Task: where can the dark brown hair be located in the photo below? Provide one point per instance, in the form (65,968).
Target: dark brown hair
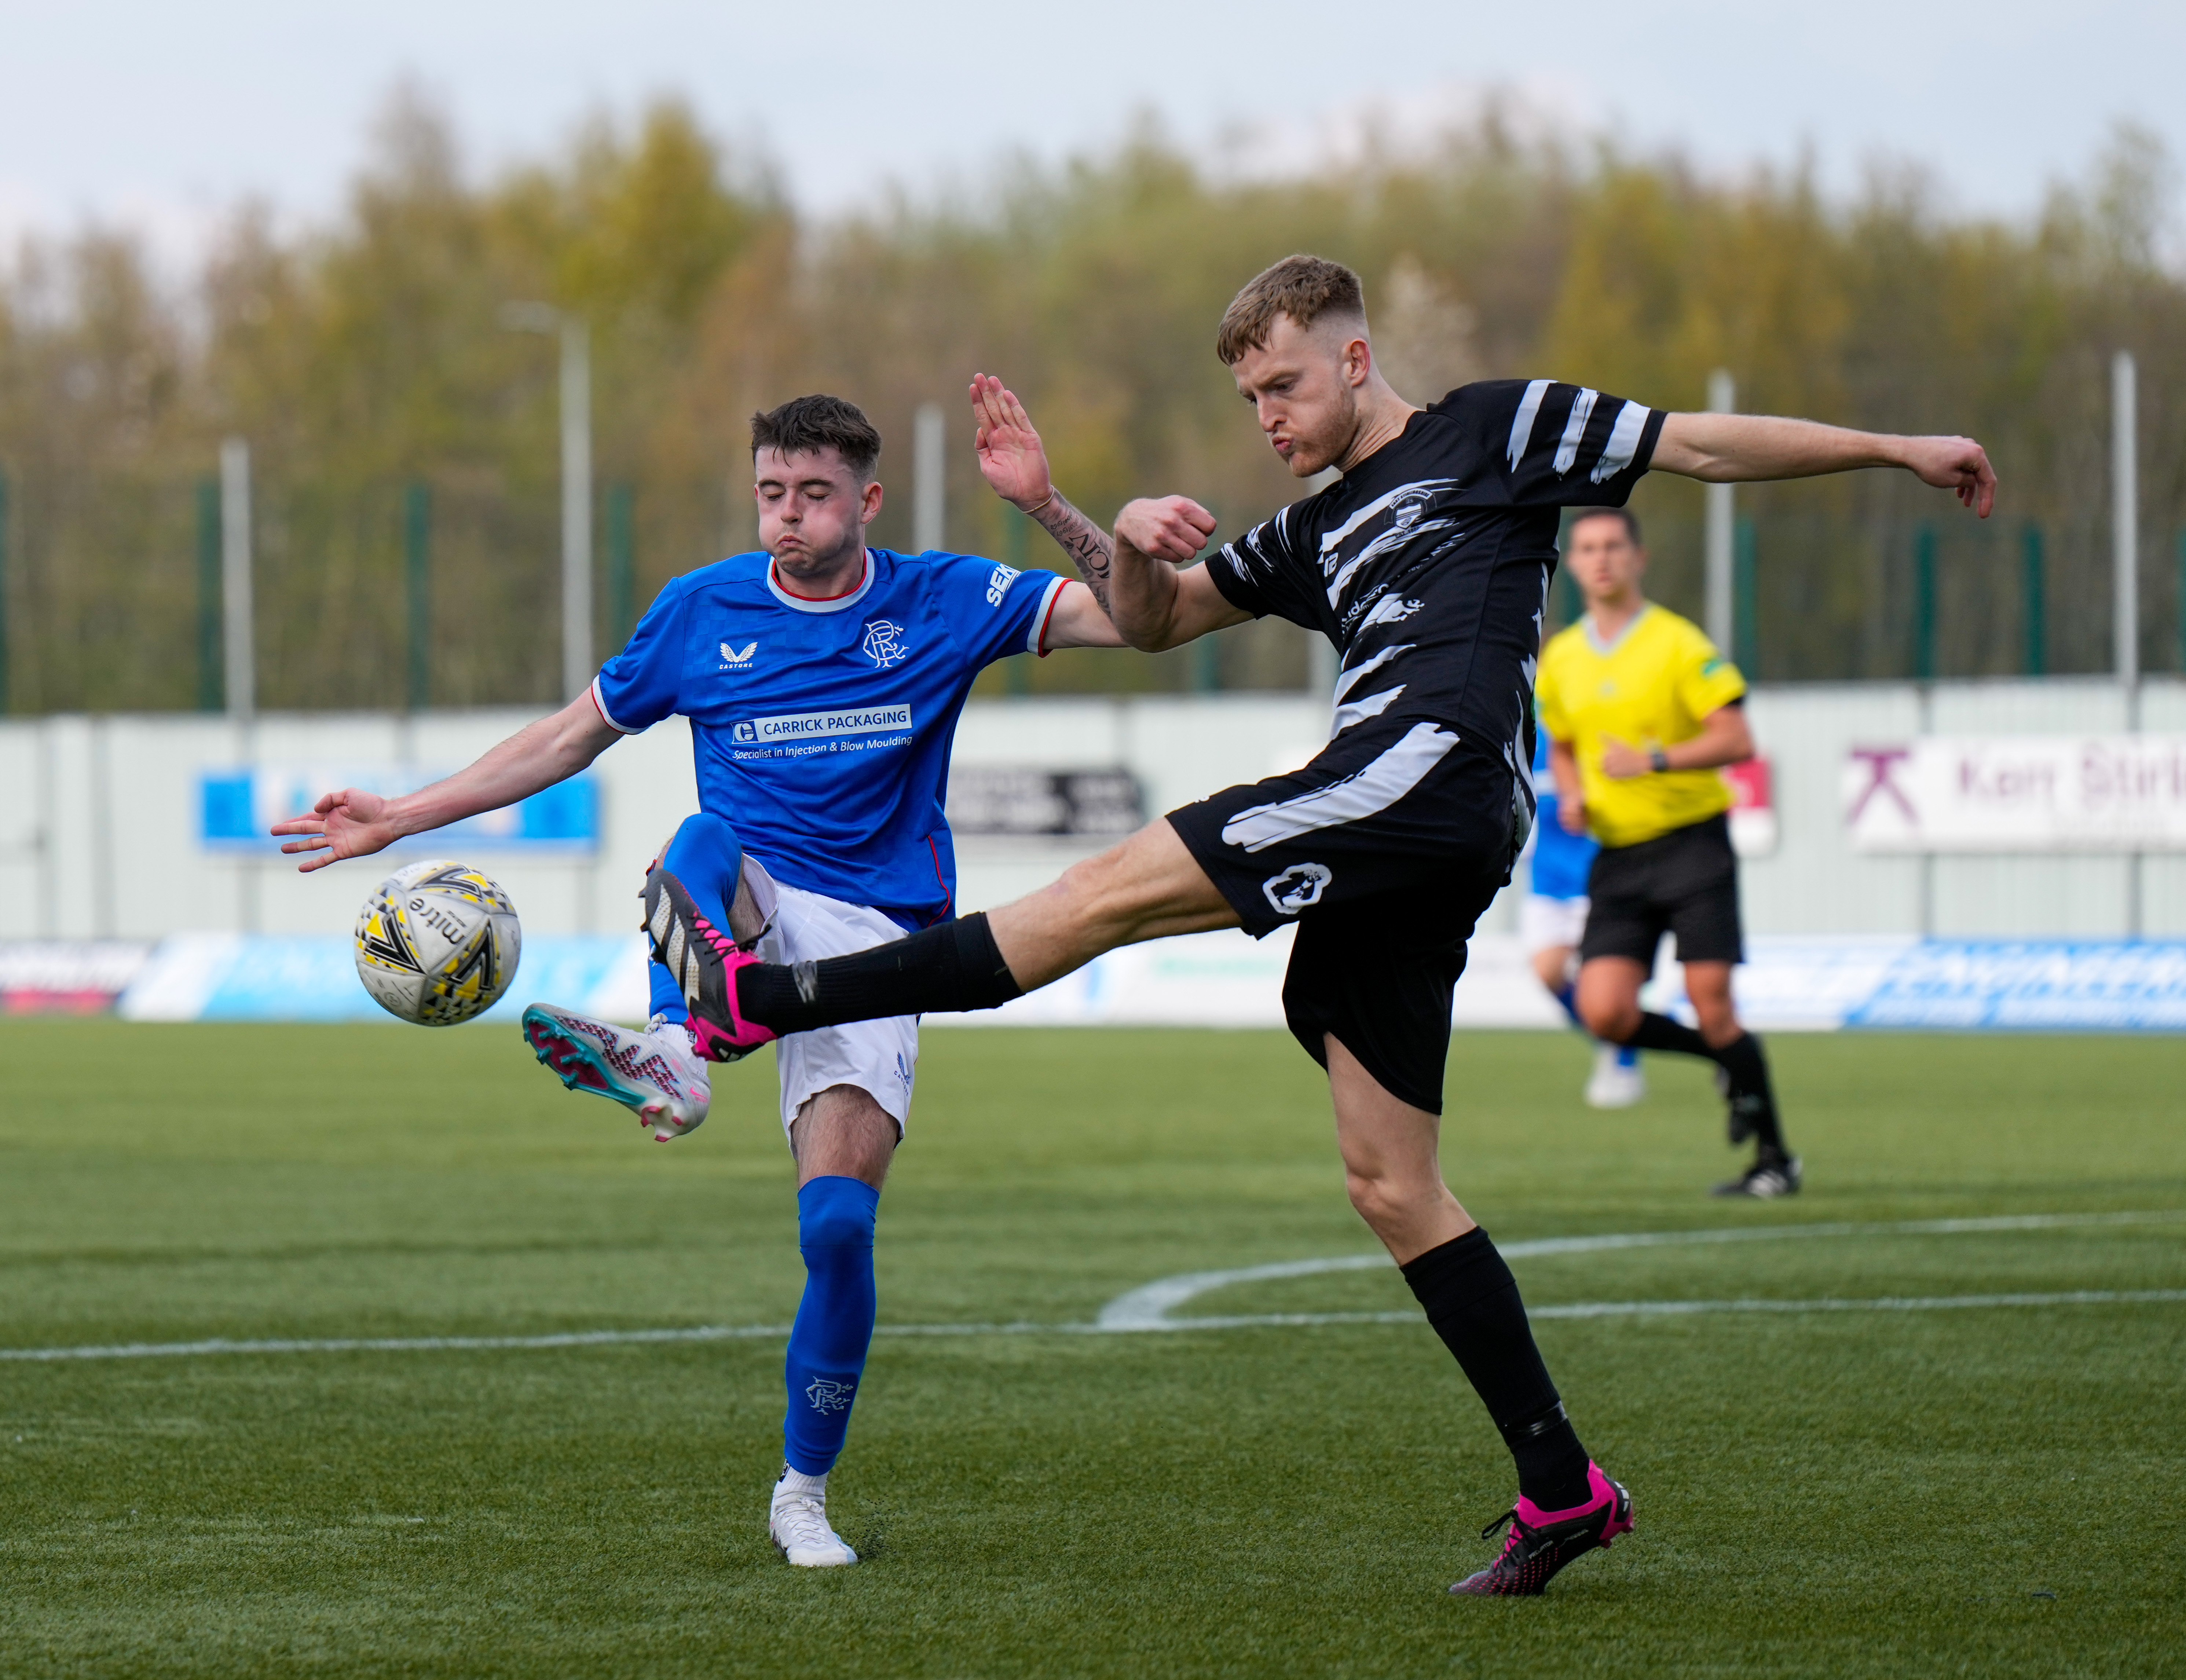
(1303,288)
(806,424)
(1631,519)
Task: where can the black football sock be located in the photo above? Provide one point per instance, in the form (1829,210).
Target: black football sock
(1471,1300)
(956,965)
(1752,1098)
(1660,1032)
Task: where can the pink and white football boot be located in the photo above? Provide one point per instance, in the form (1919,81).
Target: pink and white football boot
(657,1072)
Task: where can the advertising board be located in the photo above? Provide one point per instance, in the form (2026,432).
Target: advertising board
(237,805)
(2018,793)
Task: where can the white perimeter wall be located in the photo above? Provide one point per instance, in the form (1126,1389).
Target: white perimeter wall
(98,816)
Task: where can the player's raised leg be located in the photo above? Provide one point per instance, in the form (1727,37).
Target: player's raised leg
(693,895)
(658,1073)
(1147,887)
(844,1141)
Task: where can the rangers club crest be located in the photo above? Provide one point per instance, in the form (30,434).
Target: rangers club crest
(883,644)
(827,1394)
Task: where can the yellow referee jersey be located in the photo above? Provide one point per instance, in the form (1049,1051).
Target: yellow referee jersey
(1649,688)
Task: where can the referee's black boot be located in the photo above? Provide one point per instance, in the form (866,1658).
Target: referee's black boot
(1773,1174)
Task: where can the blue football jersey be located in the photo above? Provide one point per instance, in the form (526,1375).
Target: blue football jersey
(823,728)
(1561,860)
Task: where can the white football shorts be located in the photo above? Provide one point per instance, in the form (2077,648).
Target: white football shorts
(1546,923)
(879,1058)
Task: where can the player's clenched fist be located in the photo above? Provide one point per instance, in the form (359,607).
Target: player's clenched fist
(1171,527)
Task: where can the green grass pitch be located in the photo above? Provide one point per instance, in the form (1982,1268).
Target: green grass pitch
(1990,1490)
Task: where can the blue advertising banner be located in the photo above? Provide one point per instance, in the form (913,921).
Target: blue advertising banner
(313,976)
(2050,986)
(236,807)
(1225,979)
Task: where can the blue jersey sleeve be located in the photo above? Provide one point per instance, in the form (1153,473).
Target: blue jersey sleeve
(992,610)
(642,684)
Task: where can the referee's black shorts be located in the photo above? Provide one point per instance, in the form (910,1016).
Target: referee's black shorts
(1384,850)
(1684,883)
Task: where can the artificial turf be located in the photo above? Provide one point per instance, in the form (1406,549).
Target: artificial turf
(1991,1491)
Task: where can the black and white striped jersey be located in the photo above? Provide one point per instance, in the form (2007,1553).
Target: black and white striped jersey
(1427,564)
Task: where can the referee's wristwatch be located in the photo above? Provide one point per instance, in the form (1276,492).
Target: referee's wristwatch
(1658,761)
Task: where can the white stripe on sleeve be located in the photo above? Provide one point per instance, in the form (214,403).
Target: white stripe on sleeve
(1038,631)
(1623,442)
(1375,788)
(1575,428)
(606,716)
(1521,427)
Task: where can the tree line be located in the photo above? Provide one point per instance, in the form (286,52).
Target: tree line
(397,424)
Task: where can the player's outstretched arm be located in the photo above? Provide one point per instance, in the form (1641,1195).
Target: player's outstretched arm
(354,823)
(1730,448)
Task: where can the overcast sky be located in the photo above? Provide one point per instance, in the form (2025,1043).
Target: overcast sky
(161,115)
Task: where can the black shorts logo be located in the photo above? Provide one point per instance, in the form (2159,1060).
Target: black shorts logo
(1297,886)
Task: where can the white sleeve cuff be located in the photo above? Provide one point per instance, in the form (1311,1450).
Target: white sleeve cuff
(599,701)
(1036,638)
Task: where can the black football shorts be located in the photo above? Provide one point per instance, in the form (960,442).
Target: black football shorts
(1684,883)
(1384,850)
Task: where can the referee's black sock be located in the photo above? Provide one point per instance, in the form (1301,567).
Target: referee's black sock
(1660,1032)
(1752,1097)
(956,965)
(1471,1300)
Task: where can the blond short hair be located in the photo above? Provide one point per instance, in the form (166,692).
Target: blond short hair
(1303,288)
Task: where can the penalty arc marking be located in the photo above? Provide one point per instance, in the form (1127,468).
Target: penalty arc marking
(1151,1307)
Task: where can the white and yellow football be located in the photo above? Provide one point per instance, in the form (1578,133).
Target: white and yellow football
(438,944)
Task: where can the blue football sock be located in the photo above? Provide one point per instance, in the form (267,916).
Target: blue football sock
(707,859)
(1627,1057)
(834,1325)
(1567,995)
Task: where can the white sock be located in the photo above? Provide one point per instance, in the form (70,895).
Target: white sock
(796,1482)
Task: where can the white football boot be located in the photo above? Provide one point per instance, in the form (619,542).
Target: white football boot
(797,1523)
(656,1071)
(1614,1084)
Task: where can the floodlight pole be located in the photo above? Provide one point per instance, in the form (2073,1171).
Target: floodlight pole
(2125,521)
(929,480)
(576,507)
(237,617)
(576,482)
(2125,562)
(1722,527)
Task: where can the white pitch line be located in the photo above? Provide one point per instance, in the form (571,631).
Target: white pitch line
(1146,1309)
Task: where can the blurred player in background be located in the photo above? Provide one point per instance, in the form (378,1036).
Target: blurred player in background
(1641,711)
(1552,919)
(822,678)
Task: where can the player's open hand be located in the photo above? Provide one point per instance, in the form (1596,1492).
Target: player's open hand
(1169,528)
(350,824)
(1010,457)
(1958,464)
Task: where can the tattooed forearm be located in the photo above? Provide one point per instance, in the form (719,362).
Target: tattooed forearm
(1090,549)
